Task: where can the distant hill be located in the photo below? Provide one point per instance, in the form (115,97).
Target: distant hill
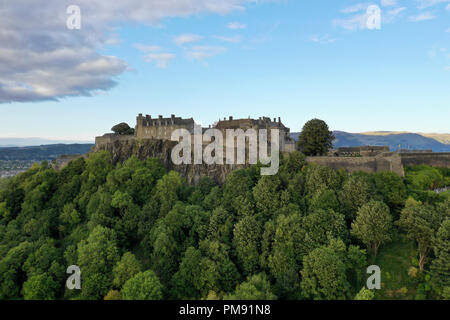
(441,137)
(43,152)
(412,141)
(27,142)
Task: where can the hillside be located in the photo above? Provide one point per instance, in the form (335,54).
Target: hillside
(27,142)
(441,137)
(411,141)
(44,152)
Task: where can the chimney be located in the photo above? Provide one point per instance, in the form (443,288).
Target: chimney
(274,119)
(160,116)
(231,118)
(279,119)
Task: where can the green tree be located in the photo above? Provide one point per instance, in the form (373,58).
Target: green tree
(324,273)
(356,191)
(267,194)
(373,225)
(315,139)
(143,286)
(187,282)
(365,294)
(421,222)
(125,269)
(246,241)
(122,129)
(96,258)
(440,267)
(257,287)
(40,287)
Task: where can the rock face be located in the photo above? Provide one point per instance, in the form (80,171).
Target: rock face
(144,149)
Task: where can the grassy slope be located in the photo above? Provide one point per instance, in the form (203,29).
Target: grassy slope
(394,260)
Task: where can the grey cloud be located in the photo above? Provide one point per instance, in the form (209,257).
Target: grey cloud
(40,59)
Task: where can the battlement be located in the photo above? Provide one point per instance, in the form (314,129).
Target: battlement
(148,121)
(261,123)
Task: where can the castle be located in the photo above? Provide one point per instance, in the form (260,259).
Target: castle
(156,134)
(161,128)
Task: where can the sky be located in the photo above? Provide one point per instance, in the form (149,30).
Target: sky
(210,59)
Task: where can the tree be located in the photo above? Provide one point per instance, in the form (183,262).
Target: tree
(421,222)
(122,129)
(187,283)
(365,294)
(96,257)
(286,254)
(315,139)
(143,286)
(321,225)
(257,287)
(126,269)
(355,192)
(324,273)
(267,195)
(247,240)
(440,267)
(40,287)
(373,225)
(113,295)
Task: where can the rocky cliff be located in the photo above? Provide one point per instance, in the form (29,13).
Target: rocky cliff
(144,149)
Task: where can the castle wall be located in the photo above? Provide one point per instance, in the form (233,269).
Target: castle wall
(432,159)
(365,164)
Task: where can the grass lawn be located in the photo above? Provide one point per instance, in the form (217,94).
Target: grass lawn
(395,259)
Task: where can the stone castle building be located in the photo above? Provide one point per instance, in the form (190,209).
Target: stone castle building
(161,128)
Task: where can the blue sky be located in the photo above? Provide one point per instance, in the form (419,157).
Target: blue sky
(294,59)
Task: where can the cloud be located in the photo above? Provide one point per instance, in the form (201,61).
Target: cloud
(388,3)
(422,17)
(234,39)
(41,59)
(236,25)
(203,52)
(422,4)
(322,39)
(161,59)
(358,21)
(146,47)
(186,38)
(396,11)
(447,7)
(356,8)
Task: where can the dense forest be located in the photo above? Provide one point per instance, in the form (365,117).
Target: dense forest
(137,231)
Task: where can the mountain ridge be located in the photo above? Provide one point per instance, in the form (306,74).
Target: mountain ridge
(395,141)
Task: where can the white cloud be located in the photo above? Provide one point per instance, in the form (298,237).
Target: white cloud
(388,3)
(186,38)
(356,8)
(322,39)
(422,17)
(146,47)
(203,52)
(236,25)
(234,39)
(40,59)
(161,59)
(447,7)
(422,4)
(355,22)
(395,12)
